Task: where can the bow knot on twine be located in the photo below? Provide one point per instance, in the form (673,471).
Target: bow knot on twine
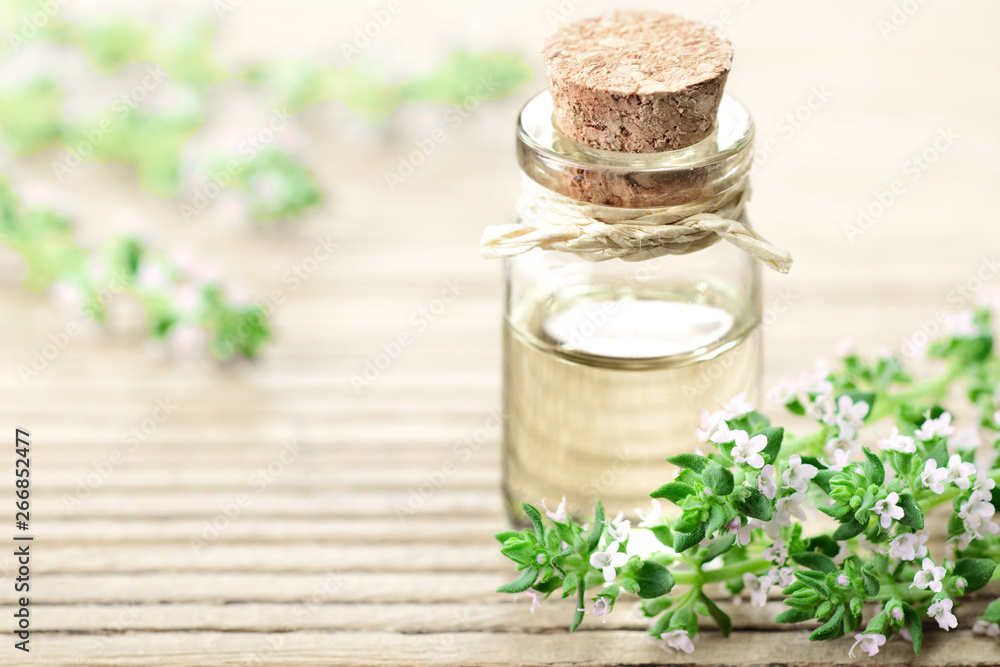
(599,233)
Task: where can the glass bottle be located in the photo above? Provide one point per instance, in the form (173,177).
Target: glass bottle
(607,364)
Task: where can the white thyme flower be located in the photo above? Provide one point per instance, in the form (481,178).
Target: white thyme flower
(66,296)
(984,484)
(845,348)
(869,642)
(929,576)
(961,324)
(757,587)
(618,528)
(903,547)
(776,553)
(766,483)
(909,546)
(898,443)
(747,450)
(850,415)
(742,532)
(152,275)
(708,423)
(869,546)
(935,428)
(608,560)
(772,528)
(653,518)
(790,506)
(977,513)
(887,509)
(783,576)
(958,472)
(843,552)
(559,513)
(818,381)
(784,392)
(723,435)
(536,600)
(601,608)
(985,628)
(737,406)
(798,474)
(933,477)
(941,612)
(839,456)
(967,439)
(822,408)
(678,639)
(188,341)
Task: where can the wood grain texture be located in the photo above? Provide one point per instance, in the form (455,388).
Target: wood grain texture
(211,540)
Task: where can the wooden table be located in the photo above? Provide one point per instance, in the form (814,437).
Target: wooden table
(260,522)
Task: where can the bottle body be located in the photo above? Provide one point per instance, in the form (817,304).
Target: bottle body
(608,363)
(605,371)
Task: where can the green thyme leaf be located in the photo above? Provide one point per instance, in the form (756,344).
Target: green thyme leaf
(691,461)
(815,561)
(832,628)
(523,582)
(654,580)
(774,434)
(719,479)
(673,491)
(976,572)
(720,617)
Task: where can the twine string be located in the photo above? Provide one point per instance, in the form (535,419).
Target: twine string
(599,233)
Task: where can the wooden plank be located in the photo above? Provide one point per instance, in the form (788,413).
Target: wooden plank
(262,530)
(329,613)
(592,649)
(213,587)
(276,499)
(201,554)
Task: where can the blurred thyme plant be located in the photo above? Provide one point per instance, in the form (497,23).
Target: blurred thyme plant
(31,115)
(183,307)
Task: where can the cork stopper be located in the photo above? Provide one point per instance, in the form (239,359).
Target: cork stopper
(637,81)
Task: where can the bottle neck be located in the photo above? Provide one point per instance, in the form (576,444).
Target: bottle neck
(715,167)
